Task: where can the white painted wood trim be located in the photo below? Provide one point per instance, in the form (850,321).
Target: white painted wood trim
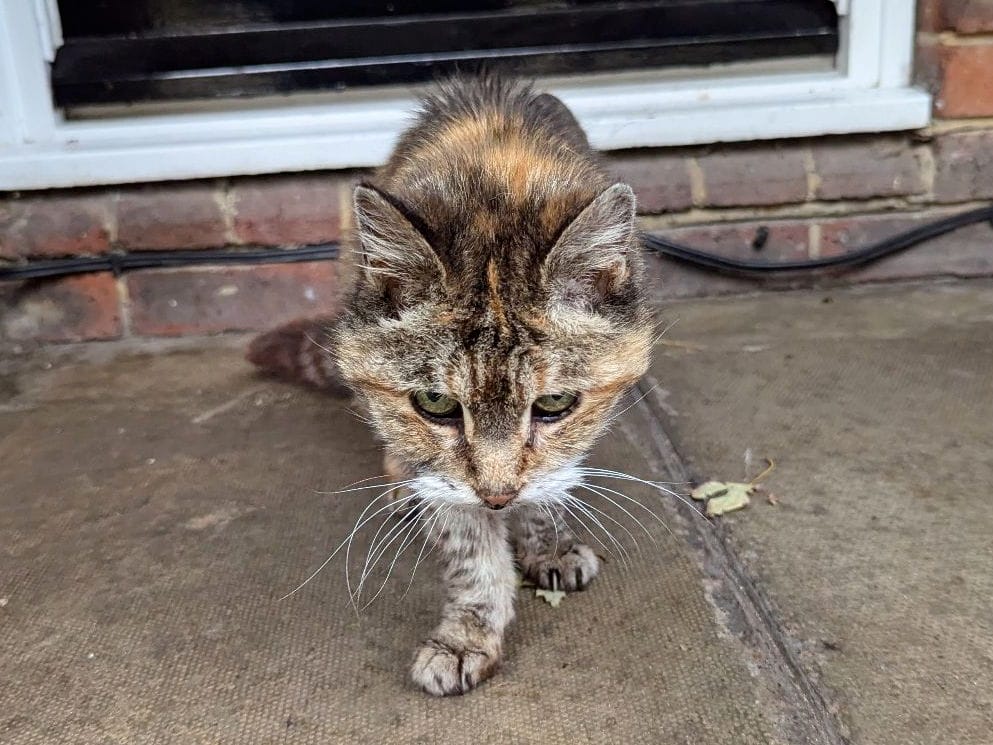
(896,52)
(38,149)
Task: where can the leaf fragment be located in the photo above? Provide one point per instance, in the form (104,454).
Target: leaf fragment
(552,597)
(723,496)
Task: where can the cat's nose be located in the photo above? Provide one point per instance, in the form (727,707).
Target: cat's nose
(498,501)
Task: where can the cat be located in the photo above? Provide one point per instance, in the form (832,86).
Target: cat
(497,318)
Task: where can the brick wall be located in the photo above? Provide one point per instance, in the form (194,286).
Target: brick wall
(285,210)
(814,197)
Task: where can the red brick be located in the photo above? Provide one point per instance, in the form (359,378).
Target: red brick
(963,253)
(164,216)
(174,302)
(968,16)
(79,308)
(963,166)
(754,175)
(661,181)
(929,15)
(861,169)
(787,239)
(962,16)
(47,226)
(845,234)
(966,82)
(966,252)
(288,210)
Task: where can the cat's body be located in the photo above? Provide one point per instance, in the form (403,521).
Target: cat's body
(496,322)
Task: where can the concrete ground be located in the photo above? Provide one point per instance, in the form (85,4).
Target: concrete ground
(155,504)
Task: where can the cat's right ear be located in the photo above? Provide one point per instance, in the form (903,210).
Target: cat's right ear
(396,256)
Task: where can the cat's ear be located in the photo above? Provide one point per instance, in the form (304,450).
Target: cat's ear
(395,254)
(590,260)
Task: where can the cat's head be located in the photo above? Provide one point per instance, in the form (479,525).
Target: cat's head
(490,367)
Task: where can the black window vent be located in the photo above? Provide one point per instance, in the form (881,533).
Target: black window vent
(123,51)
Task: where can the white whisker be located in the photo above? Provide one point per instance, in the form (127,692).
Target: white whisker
(664,331)
(391,484)
(622,556)
(657,485)
(446,513)
(348,549)
(633,403)
(614,520)
(318,344)
(377,549)
(590,532)
(347,540)
(411,536)
(555,525)
(598,489)
(368,478)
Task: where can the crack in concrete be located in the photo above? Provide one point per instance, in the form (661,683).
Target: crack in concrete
(742,608)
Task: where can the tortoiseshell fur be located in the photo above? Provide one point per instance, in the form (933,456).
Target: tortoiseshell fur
(499,263)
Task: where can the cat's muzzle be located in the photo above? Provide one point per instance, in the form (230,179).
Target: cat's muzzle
(498,501)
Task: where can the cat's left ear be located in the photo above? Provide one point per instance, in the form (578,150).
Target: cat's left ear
(395,254)
(591,258)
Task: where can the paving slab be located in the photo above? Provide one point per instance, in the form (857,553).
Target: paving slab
(156,503)
(877,406)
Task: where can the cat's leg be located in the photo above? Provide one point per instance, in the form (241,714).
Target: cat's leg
(548,552)
(478,570)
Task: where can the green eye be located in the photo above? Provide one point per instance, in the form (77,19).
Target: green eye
(553,405)
(436,404)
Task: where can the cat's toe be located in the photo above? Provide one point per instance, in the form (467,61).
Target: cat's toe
(450,670)
(570,571)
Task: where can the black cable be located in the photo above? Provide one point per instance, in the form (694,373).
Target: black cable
(848,260)
(119,263)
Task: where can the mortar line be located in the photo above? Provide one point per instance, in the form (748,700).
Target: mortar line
(803,211)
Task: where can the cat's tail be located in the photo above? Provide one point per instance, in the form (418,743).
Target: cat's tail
(299,352)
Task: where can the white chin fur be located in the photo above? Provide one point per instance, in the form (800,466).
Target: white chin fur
(543,489)
(439,490)
(549,487)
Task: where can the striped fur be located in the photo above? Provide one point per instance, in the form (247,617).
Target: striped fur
(498,264)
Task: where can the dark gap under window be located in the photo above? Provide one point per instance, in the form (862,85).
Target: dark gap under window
(126,51)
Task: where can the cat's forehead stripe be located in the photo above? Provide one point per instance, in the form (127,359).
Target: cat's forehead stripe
(493,294)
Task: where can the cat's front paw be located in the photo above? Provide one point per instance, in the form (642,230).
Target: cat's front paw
(571,570)
(451,669)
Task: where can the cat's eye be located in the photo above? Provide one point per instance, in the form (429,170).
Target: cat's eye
(553,405)
(436,405)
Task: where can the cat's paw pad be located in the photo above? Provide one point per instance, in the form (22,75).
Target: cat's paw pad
(451,670)
(572,570)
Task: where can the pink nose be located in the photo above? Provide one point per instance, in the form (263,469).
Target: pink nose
(498,501)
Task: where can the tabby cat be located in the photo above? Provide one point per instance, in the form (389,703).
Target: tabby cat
(496,321)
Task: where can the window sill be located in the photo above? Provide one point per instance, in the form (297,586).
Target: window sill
(361,134)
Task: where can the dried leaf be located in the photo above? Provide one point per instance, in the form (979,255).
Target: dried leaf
(736,498)
(552,597)
(723,496)
(709,490)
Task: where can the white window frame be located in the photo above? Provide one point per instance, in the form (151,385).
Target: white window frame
(869,91)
